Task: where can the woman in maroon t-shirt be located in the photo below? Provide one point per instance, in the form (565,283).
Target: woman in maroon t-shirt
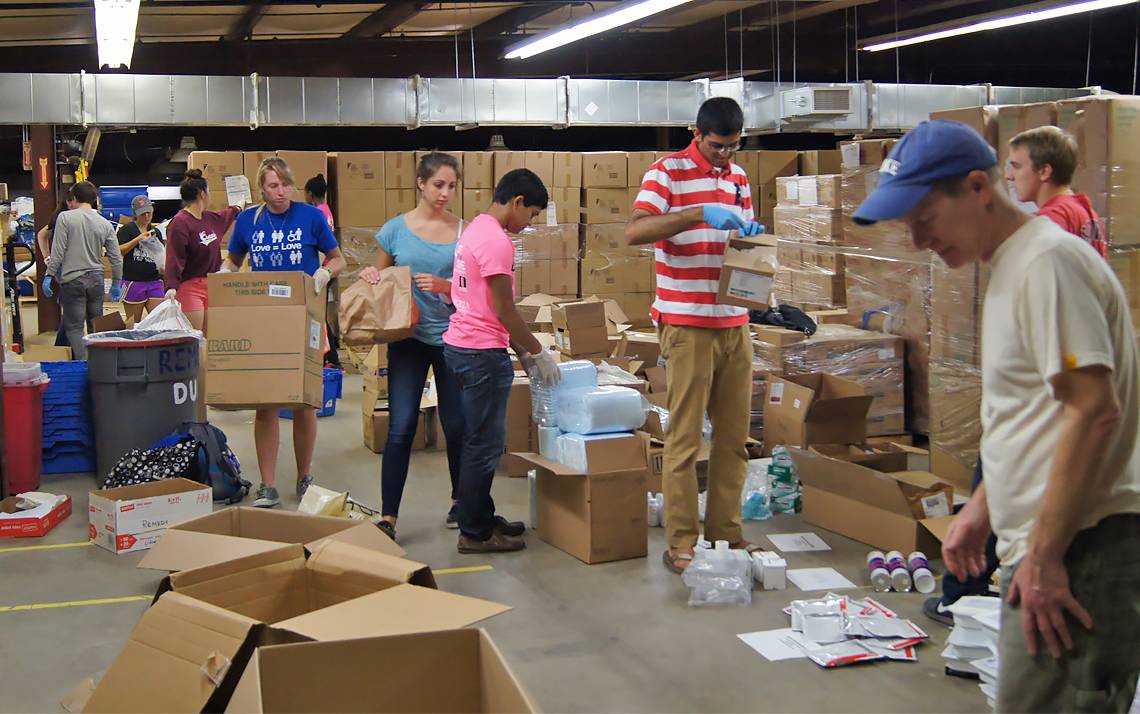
(194,246)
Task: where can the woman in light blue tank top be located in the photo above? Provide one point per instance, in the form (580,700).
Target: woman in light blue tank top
(423,239)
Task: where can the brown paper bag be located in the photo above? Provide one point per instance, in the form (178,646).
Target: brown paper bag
(384,312)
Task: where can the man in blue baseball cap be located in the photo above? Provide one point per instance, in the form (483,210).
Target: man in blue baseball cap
(1060,416)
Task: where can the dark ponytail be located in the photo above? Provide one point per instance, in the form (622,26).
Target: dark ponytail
(192,186)
(317,186)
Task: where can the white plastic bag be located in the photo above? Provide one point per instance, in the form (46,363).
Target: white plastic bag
(167,317)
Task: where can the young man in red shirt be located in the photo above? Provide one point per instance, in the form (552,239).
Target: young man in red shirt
(1041,165)
(690,205)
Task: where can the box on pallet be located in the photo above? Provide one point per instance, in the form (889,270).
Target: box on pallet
(304,164)
(605,169)
(981,119)
(507,161)
(476,201)
(542,164)
(616,272)
(606,205)
(638,163)
(400,169)
(251,164)
(131,518)
(823,161)
(1012,119)
(215,167)
(807,409)
(567,169)
(361,206)
(361,170)
(478,171)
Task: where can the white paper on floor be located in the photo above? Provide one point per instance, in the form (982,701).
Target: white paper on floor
(797,542)
(776,645)
(818,579)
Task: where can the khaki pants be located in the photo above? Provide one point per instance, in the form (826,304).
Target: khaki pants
(708,370)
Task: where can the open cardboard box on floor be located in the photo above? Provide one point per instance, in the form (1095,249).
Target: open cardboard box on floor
(189,649)
(807,409)
(874,500)
(595,517)
(382,674)
(237,532)
(131,518)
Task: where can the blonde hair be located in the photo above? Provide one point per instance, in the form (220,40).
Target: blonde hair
(278,166)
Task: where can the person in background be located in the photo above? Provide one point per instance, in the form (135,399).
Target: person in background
(282,234)
(194,247)
(690,205)
(80,240)
(485,323)
(424,240)
(143,275)
(1060,421)
(316,189)
(1041,166)
(43,243)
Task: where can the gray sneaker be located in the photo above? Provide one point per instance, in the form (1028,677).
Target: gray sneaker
(266,497)
(302,486)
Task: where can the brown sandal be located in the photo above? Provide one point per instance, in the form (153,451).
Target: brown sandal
(747,547)
(672,561)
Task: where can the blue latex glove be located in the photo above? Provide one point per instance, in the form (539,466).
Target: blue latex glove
(752,228)
(46,286)
(722,219)
(116,292)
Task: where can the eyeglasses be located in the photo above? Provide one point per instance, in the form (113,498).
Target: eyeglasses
(724,148)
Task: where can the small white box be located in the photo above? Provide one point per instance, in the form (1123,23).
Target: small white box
(775,571)
(132,518)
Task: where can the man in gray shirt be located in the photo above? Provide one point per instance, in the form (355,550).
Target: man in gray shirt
(81,238)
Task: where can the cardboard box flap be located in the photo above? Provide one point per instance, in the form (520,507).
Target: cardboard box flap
(849,480)
(165,664)
(398,610)
(842,408)
(187,580)
(364,535)
(539,300)
(564,470)
(345,560)
(937,527)
(183,550)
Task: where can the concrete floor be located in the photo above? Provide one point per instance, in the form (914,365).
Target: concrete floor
(612,637)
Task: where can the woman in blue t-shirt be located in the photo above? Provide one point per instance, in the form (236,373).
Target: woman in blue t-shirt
(424,240)
(283,234)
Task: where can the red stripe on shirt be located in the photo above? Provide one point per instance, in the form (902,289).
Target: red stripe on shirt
(687,273)
(686,250)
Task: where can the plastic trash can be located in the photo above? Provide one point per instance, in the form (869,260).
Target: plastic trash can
(23,434)
(143,385)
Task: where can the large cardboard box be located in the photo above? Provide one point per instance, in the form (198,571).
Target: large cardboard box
(606,205)
(476,201)
(265,340)
(357,675)
(542,164)
(634,305)
(824,161)
(868,152)
(360,206)
(638,163)
(771,164)
(872,501)
(399,169)
(567,169)
(251,162)
(357,170)
(215,167)
(375,426)
(1126,265)
(237,532)
(807,409)
(131,518)
(1013,119)
(616,273)
(748,272)
(808,223)
(567,206)
(398,201)
(610,238)
(564,276)
(478,170)
(1108,143)
(507,161)
(982,119)
(580,327)
(605,169)
(595,517)
(375,371)
(305,165)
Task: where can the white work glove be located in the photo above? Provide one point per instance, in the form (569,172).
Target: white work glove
(544,368)
(321,280)
(171,294)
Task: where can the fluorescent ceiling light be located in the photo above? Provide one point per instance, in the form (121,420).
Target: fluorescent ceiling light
(115,24)
(621,15)
(1045,13)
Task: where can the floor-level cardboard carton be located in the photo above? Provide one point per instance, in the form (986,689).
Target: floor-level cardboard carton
(131,518)
(382,674)
(238,532)
(872,500)
(265,340)
(807,409)
(595,517)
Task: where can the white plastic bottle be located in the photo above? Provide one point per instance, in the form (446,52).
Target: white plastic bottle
(880,576)
(920,571)
(900,576)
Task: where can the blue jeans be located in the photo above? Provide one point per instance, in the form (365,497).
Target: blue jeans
(408,362)
(952,587)
(485,378)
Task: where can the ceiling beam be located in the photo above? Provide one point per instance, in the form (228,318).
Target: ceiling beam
(511,20)
(801,13)
(243,28)
(386,19)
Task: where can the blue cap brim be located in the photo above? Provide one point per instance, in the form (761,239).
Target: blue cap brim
(887,203)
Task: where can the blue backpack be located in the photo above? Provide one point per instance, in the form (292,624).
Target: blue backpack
(215,465)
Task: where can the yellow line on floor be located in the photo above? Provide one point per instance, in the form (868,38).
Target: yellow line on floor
(74,603)
(470,569)
(53,546)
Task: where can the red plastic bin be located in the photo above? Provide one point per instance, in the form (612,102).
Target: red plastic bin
(23,434)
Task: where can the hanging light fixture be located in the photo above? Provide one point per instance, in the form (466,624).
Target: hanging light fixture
(621,15)
(115,25)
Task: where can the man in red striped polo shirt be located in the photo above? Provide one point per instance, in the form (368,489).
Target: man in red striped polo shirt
(691,203)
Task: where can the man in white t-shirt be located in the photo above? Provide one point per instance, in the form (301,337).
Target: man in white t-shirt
(1060,414)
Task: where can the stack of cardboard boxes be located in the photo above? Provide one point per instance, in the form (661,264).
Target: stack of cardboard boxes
(808,223)
(580,329)
(546,260)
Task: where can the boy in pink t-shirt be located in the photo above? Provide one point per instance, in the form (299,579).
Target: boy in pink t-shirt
(484,324)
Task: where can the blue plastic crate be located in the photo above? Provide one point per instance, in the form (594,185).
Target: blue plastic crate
(70,463)
(333,388)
